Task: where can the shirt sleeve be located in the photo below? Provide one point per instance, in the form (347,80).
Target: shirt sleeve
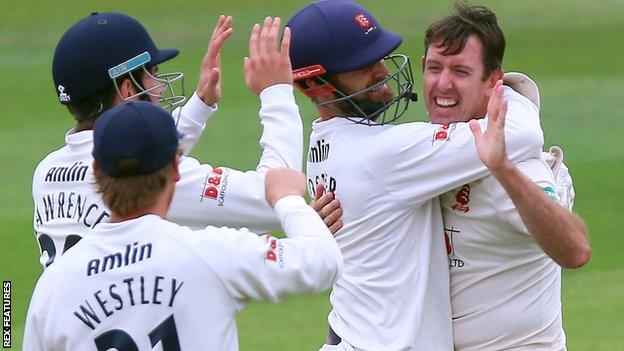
(282,132)
(221,197)
(420,161)
(227,197)
(191,120)
(540,173)
(268,268)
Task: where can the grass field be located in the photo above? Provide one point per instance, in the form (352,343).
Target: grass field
(572,48)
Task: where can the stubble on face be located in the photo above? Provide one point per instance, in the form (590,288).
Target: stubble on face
(370,102)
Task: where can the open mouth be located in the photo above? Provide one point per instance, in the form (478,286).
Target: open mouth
(445,102)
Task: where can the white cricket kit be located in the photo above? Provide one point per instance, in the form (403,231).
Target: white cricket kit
(393,293)
(505,291)
(134,284)
(67,207)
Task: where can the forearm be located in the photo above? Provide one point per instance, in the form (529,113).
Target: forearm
(560,233)
(282,133)
(191,119)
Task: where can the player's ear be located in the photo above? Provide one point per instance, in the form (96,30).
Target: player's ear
(126,88)
(176,169)
(95,166)
(495,76)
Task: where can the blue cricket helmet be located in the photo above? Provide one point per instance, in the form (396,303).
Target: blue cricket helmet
(339,35)
(92,46)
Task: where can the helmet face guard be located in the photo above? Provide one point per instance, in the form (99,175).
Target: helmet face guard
(357,107)
(164,91)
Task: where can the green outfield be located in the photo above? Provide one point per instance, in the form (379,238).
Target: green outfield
(572,48)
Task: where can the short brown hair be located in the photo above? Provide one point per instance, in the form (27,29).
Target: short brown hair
(128,195)
(453,31)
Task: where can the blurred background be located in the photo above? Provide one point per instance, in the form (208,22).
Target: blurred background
(573,49)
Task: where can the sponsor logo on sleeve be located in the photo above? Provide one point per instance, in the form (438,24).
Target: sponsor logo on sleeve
(215,186)
(275,251)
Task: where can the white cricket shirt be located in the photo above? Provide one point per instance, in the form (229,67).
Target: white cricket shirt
(147,281)
(505,291)
(67,207)
(393,293)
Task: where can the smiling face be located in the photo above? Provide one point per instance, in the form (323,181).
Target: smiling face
(454,86)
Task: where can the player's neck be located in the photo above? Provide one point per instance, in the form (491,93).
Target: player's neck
(160,208)
(115,218)
(326,113)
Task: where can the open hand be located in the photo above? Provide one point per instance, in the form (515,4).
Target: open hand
(209,85)
(491,143)
(265,65)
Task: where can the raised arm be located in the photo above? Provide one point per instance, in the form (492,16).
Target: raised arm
(268,73)
(192,117)
(223,196)
(560,233)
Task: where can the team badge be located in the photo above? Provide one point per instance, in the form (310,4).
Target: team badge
(364,22)
(463,198)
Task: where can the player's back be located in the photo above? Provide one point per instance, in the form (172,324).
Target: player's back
(393,292)
(66,204)
(135,283)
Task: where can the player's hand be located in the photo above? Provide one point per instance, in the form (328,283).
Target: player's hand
(491,143)
(328,208)
(266,65)
(209,85)
(281,182)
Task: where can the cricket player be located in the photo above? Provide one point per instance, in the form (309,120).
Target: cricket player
(108,58)
(393,293)
(140,281)
(506,238)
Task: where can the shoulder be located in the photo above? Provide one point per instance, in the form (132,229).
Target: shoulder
(50,160)
(539,172)
(396,139)
(517,100)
